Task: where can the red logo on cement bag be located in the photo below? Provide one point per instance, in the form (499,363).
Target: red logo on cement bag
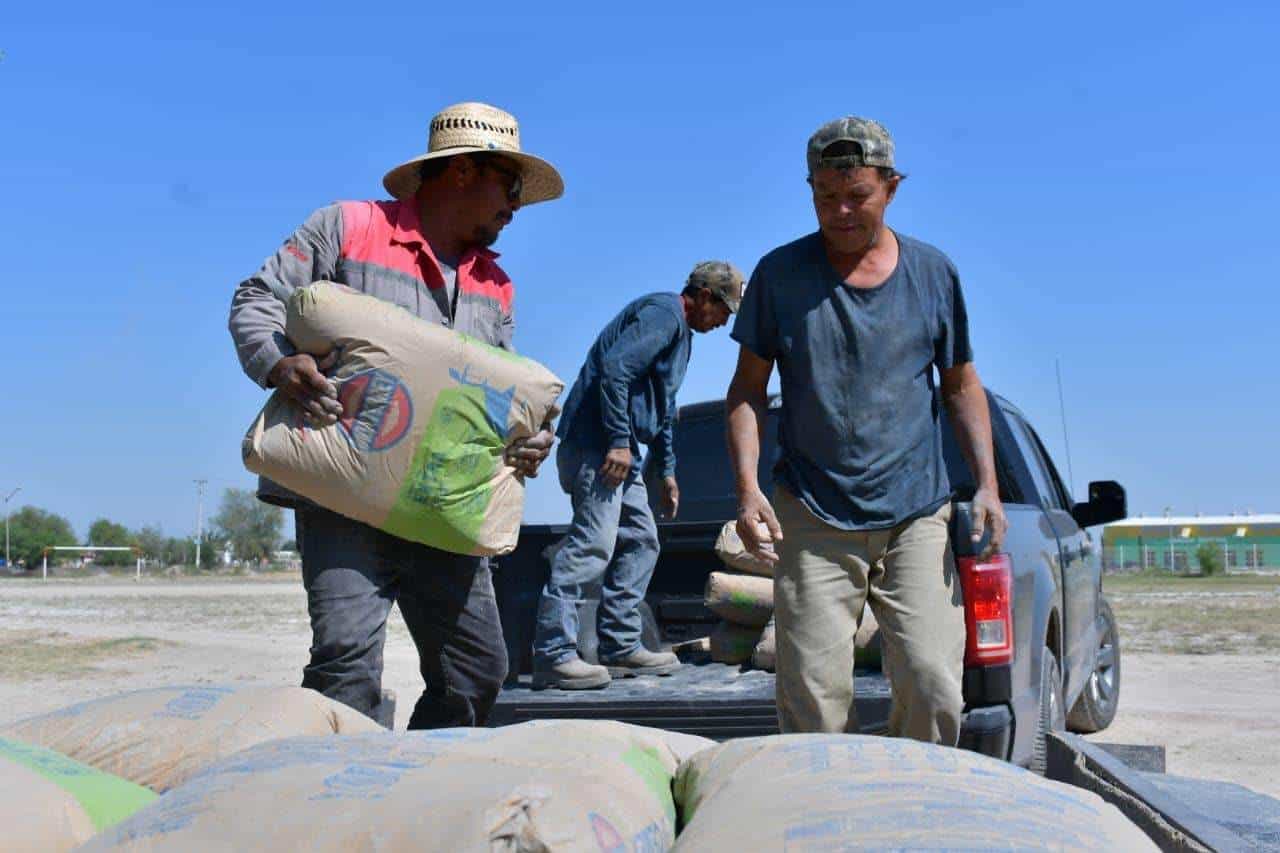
(607,837)
(376,410)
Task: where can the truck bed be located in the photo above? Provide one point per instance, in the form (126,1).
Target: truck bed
(714,700)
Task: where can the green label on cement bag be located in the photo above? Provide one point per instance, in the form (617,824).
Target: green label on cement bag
(445,496)
(106,799)
(646,764)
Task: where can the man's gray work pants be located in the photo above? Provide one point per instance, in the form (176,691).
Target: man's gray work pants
(353,573)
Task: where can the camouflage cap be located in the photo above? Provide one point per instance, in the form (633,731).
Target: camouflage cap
(871,137)
(721,278)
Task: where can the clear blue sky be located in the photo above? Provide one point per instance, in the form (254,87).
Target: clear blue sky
(1103,174)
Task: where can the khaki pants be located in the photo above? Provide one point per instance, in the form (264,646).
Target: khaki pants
(908,577)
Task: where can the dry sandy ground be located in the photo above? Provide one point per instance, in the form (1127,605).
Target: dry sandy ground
(65,641)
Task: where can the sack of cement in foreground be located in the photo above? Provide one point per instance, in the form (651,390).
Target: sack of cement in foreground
(160,737)
(741,599)
(734,554)
(732,643)
(563,785)
(50,803)
(854,792)
(427,414)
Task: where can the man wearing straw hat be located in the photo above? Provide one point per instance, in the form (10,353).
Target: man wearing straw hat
(858,318)
(427,251)
(625,395)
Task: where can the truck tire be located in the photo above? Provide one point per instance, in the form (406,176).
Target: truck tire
(1052,716)
(589,642)
(1096,707)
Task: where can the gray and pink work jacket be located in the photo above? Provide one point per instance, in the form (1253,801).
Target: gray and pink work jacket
(375,247)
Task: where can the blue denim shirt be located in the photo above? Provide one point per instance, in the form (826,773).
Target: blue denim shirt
(625,394)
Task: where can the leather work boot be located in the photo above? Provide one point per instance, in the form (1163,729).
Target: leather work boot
(573,674)
(642,662)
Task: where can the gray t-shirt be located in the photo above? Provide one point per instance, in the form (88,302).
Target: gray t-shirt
(859,436)
(444,296)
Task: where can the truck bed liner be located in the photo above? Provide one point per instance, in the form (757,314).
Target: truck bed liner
(714,700)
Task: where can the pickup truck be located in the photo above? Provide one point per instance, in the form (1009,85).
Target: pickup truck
(1045,656)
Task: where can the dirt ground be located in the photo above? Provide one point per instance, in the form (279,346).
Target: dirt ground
(1217,714)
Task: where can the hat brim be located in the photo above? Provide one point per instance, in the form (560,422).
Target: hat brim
(540,179)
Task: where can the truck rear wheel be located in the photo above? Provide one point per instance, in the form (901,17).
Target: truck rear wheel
(1052,716)
(1096,707)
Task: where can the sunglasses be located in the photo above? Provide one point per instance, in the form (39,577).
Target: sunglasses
(516,185)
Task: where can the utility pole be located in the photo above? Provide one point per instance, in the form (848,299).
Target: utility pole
(9,497)
(200,484)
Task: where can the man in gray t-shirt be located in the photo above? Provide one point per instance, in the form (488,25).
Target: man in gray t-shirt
(858,318)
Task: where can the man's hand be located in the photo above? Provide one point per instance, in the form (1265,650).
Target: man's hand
(526,454)
(753,511)
(300,378)
(616,467)
(988,513)
(670,496)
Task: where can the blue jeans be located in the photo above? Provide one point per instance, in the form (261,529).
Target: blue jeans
(353,573)
(612,540)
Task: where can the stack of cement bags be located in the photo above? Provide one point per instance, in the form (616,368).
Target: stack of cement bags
(238,779)
(159,738)
(743,599)
(50,803)
(540,786)
(427,414)
(851,792)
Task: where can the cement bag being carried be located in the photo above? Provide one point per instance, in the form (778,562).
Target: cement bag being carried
(427,413)
(740,599)
(160,737)
(734,554)
(564,785)
(49,802)
(853,792)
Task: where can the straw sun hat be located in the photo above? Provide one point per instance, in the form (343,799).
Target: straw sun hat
(467,127)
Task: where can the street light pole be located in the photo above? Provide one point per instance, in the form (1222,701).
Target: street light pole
(200,484)
(1172,564)
(9,497)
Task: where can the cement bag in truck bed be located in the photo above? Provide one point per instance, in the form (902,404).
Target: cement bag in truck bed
(853,792)
(160,737)
(740,599)
(563,785)
(427,413)
(734,554)
(49,802)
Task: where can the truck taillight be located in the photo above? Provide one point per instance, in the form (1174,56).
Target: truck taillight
(988,609)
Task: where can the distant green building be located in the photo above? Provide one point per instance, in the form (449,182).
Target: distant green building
(1245,543)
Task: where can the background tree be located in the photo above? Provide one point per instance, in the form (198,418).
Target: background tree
(152,542)
(32,529)
(1209,557)
(107,532)
(178,552)
(251,526)
(211,548)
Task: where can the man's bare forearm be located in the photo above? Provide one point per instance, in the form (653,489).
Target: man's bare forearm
(745,409)
(966,404)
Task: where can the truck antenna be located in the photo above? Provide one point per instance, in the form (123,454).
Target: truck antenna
(1062,407)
